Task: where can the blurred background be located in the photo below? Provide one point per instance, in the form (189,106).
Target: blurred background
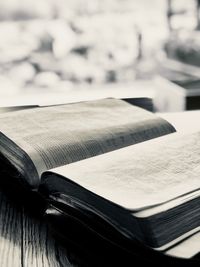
(143,48)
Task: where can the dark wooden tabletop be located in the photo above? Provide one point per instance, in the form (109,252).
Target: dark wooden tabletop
(25,240)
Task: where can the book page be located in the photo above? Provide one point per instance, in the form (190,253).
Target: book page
(144,175)
(185,121)
(187,248)
(58,135)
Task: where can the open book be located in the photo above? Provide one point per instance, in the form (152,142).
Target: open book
(83,158)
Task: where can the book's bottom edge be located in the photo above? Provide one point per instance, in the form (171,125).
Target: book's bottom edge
(178,240)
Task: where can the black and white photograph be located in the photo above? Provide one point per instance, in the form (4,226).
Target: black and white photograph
(99,133)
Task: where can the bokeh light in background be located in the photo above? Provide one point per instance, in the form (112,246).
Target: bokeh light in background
(62,43)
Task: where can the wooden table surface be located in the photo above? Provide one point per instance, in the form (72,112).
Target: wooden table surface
(25,240)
